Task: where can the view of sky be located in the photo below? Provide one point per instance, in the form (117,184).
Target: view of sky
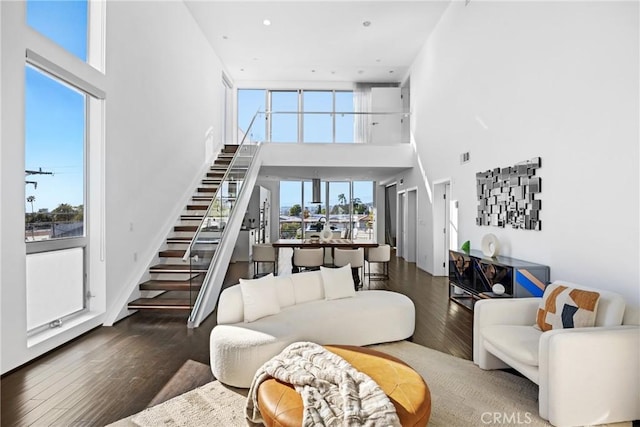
(54,112)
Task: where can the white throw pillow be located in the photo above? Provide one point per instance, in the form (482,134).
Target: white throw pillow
(307,286)
(338,282)
(260,297)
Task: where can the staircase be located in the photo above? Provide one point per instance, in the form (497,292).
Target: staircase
(174,283)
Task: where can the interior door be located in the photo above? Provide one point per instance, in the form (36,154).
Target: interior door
(400,231)
(386,128)
(411,225)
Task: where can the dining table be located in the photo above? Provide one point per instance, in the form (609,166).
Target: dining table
(328,243)
(320,243)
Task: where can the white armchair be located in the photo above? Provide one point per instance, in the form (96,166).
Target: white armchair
(585,375)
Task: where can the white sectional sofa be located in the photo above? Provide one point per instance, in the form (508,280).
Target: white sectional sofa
(312,306)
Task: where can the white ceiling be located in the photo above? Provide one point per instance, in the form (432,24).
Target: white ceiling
(317,40)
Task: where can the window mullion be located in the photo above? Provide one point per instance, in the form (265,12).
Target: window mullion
(300,116)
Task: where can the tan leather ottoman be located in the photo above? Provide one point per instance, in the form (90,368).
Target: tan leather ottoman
(281,406)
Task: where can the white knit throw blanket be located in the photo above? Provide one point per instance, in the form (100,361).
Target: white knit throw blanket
(333,392)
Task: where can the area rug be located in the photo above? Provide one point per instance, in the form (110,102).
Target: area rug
(191,374)
(461,394)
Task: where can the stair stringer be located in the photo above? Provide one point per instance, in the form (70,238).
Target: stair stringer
(212,285)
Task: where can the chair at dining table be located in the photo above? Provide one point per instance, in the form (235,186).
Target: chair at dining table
(380,254)
(308,258)
(355,257)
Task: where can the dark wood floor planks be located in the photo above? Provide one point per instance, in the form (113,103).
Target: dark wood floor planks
(112,372)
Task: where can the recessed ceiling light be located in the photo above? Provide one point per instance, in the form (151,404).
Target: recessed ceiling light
(378,60)
(360,71)
(366,23)
(241,69)
(224,37)
(266,22)
(391,72)
(333,72)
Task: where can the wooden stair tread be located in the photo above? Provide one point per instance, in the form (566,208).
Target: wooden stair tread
(172,253)
(230,148)
(197,207)
(177,268)
(161,303)
(185,228)
(179,253)
(191,217)
(187,240)
(169,285)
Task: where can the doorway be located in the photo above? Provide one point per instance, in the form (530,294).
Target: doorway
(408,224)
(445,226)
(390,212)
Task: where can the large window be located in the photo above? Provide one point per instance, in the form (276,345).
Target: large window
(63,112)
(64,22)
(55,130)
(346,207)
(250,101)
(310,116)
(284,120)
(318,117)
(291,212)
(344,122)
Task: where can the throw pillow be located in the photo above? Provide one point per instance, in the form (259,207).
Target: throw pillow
(260,297)
(563,307)
(338,282)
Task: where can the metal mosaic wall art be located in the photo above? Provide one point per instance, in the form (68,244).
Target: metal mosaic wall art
(509,196)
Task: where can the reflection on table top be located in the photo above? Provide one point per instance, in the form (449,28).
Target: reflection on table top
(331,243)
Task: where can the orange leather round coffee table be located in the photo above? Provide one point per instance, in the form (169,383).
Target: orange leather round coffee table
(281,406)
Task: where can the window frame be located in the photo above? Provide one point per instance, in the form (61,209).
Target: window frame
(300,122)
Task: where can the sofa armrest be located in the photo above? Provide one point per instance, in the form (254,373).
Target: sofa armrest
(502,311)
(230,306)
(590,375)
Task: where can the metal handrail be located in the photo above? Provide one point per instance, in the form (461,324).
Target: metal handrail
(355,113)
(194,240)
(205,281)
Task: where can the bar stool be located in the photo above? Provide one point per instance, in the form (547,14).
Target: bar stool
(379,254)
(355,257)
(311,258)
(264,252)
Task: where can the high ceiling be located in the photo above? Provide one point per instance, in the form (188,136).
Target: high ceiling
(344,40)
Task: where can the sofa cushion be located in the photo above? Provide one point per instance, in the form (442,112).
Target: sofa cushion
(307,286)
(260,297)
(566,307)
(518,342)
(284,287)
(338,282)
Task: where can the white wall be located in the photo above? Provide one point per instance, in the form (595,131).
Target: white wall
(509,81)
(163,93)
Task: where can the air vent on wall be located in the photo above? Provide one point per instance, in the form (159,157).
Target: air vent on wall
(465,157)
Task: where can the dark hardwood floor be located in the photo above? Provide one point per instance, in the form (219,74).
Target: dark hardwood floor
(113,372)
